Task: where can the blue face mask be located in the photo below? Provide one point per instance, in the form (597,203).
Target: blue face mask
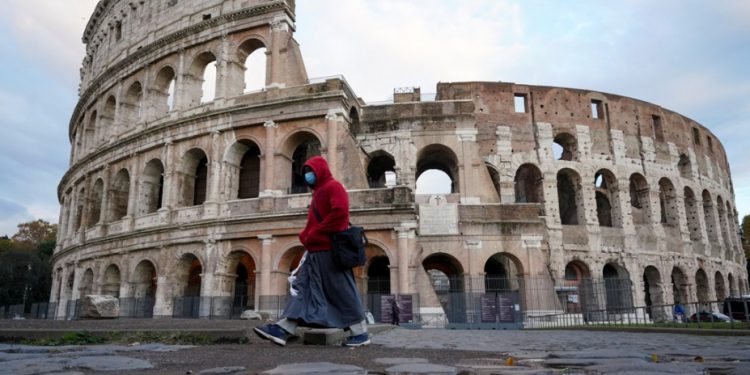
(310,178)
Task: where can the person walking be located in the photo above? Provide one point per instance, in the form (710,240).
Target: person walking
(323,295)
(395,312)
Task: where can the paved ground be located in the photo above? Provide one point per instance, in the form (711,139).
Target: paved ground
(396,351)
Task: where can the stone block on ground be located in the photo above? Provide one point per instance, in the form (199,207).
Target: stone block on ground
(99,307)
(250,315)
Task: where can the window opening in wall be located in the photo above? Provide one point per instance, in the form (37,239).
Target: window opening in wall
(434,181)
(207,17)
(520,103)
(658,131)
(710,144)
(565,147)
(255,71)
(209,83)
(170,95)
(528,184)
(379,276)
(683,165)
(379,166)
(696,137)
(597,110)
(171,3)
(567,196)
(250,173)
(495,177)
(201,182)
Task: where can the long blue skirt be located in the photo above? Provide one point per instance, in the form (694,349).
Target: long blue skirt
(326,296)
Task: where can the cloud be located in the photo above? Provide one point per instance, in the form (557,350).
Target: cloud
(11,214)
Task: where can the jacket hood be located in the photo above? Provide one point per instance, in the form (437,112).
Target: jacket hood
(319,165)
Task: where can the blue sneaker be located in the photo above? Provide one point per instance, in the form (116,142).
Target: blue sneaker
(272,332)
(358,340)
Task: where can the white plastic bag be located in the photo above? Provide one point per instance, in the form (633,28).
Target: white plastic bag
(293,276)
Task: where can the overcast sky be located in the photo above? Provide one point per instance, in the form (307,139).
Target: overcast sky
(692,57)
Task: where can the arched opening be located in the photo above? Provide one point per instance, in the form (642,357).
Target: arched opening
(255,70)
(693,213)
(90,136)
(355,127)
(708,216)
(668,203)
(162,94)
(618,288)
(187,276)
(701,286)
(119,195)
(152,187)
(733,290)
(243,267)
(87,283)
(194,178)
(111,282)
(653,295)
(131,107)
(528,184)
(569,197)
(607,200)
(106,121)
(200,81)
(683,165)
(80,200)
(430,160)
(249,184)
(719,287)
(143,284)
(307,146)
(565,147)
(680,287)
(379,275)
(575,293)
(639,199)
(495,178)
(501,274)
(289,261)
(446,277)
(377,170)
(95,203)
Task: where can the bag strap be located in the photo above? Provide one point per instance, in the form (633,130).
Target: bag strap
(315,211)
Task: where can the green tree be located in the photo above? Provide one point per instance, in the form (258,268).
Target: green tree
(33,233)
(25,263)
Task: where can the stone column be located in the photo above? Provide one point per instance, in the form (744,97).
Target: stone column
(104,208)
(180,100)
(503,150)
(171,183)
(280,36)
(404,233)
(268,157)
(164,302)
(467,137)
(265,264)
(333,121)
(211,205)
(135,176)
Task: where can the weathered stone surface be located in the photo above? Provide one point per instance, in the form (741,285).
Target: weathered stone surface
(250,315)
(100,307)
(316,368)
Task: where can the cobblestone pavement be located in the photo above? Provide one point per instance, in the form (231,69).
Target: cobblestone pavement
(401,351)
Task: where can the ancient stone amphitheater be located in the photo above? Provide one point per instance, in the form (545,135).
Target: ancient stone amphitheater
(184,195)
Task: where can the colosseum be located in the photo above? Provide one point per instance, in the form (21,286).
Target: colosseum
(184,195)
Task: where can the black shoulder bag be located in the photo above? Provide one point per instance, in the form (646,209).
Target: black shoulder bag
(347,246)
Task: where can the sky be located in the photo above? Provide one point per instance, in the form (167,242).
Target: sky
(692,57)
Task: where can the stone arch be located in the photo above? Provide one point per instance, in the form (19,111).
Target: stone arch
(607,191)
(439,157)
(495,178)
(194,168)
(501,272)
(162,93)
(680,286)
(187,276)
(131,105)
(106,122)
(733,290)
(151,189)
(297,148)
(693,212)
(242,265)
(380,166)
(565,147)
(196,87)
(708,214)
(67,292)
(242,161)
(618,287)
(723,227)
(95,203)
(288,261)
(702,286)
(570,197)
(253,54)
(684,167)
(652,294)
(143,279)
(378,274)
(668,203)
(354,126)
(719,286)
(87,283)
(448,275)
(528,184)
(119,195)
(111,281)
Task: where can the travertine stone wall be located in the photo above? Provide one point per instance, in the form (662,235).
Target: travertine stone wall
(168,196)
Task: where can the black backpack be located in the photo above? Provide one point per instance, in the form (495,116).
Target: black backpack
(347,246)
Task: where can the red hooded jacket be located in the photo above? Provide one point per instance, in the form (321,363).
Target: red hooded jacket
(332,202)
